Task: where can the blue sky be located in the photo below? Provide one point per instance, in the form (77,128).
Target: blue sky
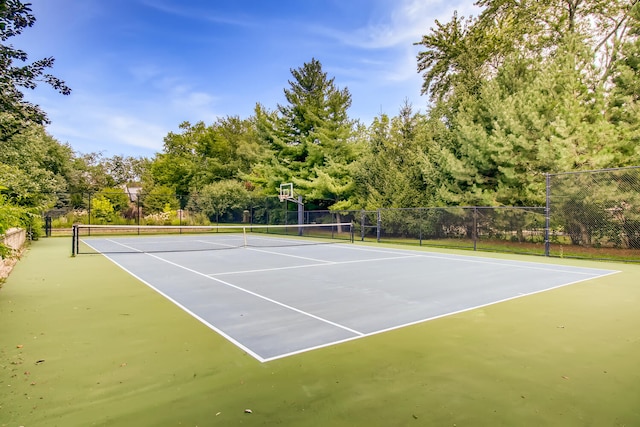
(138,68)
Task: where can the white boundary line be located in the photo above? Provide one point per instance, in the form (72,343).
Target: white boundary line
(416,322)
(191,313)
(255,294)
(288,255)
(357,333)
(324,264)
(479,260)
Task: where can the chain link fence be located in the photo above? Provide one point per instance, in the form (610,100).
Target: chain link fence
(123,208)
(504,229)
(594,214)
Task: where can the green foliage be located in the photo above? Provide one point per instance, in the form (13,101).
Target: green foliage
(117,197)
(520,91)
(451,57)
(12,216)
(33,166)
(216,199)
(202,155)
(9,218)
(310,139)
(624,103)
(16,16)
(158,198)
(393,172)
(521,126)
(125,170)
(102,209)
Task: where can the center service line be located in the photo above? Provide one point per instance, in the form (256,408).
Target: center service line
(251,293)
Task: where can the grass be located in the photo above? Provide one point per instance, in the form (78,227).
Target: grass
(83,343)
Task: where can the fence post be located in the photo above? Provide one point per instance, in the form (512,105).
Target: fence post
(547,215)
(421,211)
(362,225)
(89,216)
(475,228)
(378,225)
(301,216)
(353,226)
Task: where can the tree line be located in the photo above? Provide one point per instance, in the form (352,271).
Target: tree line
(525,88)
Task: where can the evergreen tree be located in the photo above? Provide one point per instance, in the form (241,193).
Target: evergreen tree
(624,102)
(310,139)
(392,172)
(521,91)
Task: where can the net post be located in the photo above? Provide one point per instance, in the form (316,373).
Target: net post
(244,236)
(74,232)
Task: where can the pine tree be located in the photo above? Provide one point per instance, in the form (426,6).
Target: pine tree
(310,138)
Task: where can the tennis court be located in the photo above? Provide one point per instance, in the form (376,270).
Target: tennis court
(279,296)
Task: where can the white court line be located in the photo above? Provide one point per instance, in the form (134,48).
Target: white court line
(288,255)
(164,242)
(200,319)
(325,264)
(281,304)
(416,322)
(479,260)
(360,334)
(125,246)
(219,244)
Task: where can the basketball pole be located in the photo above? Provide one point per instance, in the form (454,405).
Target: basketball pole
(286,194)
(300,215)
(300,204)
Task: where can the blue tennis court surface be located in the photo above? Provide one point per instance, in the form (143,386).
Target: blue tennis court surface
(278,301)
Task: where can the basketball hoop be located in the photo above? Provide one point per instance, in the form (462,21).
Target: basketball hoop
(286,191)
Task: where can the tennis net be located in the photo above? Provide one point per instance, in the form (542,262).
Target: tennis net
(89,239)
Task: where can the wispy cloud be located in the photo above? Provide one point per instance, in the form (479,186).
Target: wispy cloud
(185,11)
(403,68)
(168,89)
(143,73)
(113,121)
(194,104)
(135,79)
(404,23)
(105,125)
(133,131)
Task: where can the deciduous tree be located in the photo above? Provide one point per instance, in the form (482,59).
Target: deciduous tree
(16,16)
